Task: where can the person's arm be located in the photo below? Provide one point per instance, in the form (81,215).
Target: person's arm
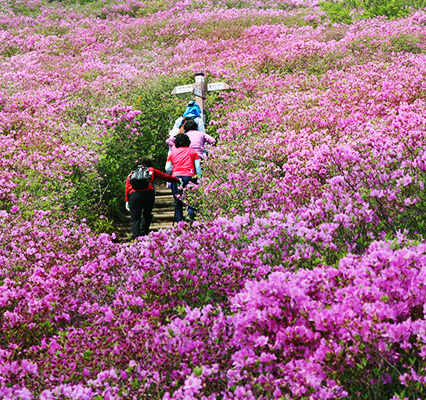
(126,193)
(164,177)
(197,165)
(196,160)
(209,139)
(173,132)
(169,164)
(177,124)
(200,124)
(127,190)
(171,141)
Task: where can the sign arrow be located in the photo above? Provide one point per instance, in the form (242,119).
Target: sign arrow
(183,89)
(217,86)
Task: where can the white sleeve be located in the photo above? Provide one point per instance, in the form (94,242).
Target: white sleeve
(178,122)
(175,130)
(200,124)
(173,133)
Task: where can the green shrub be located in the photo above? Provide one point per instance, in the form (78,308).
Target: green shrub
(337,12)
(345,10)
(390,8)
(85,200)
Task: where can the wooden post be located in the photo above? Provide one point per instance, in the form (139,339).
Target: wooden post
(200,92)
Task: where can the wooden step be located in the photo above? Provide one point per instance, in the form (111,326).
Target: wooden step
(163,192)
(163,214)
(163,225)
(164,201)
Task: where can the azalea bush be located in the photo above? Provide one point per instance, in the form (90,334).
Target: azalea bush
(303,275)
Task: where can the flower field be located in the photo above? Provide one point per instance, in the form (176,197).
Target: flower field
(304,276)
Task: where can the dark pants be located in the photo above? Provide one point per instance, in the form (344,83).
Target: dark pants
(141,203)
(178,202)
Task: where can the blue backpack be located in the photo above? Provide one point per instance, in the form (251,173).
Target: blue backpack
(192,110)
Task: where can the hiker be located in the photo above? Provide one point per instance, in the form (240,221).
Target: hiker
(192,112)
(197,138)
(140,201)
(185,165)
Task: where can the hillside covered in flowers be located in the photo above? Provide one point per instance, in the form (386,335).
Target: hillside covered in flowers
(304,276)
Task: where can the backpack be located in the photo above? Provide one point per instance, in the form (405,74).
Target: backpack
(192,110)
(140,178)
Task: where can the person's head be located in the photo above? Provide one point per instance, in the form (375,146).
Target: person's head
(190,125)
(145,161)
(182,140)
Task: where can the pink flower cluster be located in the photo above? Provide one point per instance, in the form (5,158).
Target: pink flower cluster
(283,334)
(305,276)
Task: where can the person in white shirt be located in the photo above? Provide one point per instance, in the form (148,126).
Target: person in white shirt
(192,112)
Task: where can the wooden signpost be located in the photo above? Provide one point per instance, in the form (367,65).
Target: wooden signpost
(199,88)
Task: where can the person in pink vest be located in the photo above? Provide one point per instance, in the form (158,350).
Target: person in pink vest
(198,139)
(185,164)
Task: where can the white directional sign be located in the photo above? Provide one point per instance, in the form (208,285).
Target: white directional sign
(182,89)
(217,86)
(198,92)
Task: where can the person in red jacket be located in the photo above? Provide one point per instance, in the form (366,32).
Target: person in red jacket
(141,202)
